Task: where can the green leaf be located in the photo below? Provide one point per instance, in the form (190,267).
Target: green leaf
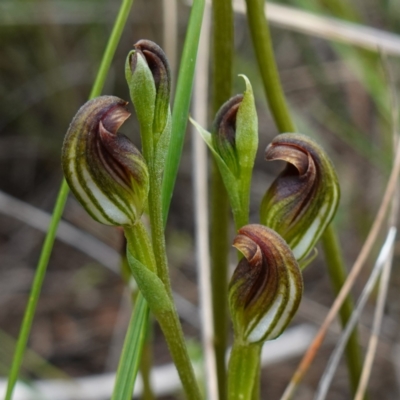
(150,285)
(132,351)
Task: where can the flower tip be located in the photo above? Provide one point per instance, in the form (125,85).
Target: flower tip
(249,88)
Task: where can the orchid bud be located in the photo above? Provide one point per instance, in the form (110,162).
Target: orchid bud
(303,199)
(266,287)
(149,78)
(103,168)
(234,142)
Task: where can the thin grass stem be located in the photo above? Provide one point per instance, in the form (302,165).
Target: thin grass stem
(130,357)
(58,209)
(328,28)
(384,256)
(378,318)
(337,277)
(35,291)
(182,103)
(262,43)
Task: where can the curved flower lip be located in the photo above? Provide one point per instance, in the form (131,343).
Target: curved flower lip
(156,60)
(266,287)
(303,199)
(103,168)
(224,132)
(225,120)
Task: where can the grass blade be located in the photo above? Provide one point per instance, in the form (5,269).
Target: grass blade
(182,102)
(131,352)
(333,363)
(59,208)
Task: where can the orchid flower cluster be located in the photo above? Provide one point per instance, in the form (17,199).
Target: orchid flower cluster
(266,287)
(116,184)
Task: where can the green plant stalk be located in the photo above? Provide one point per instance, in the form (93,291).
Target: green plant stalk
(145,368)
(263,46)
(182,103)
(244,367)
(242,209)
(219,254)
(146,352)
(58,210)
(262,43)
(139,244)
(129,362)
(35,291)
(135,337)
(223,37)
(332,253)
(157,229)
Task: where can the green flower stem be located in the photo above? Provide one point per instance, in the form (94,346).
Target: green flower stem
(223,35)
(161,305)
(269,73)
(337,276)
(157,229)
(263,46)
(243,370)
(171,327)
(242,210)
(58,210)
(219,254)
(182,103)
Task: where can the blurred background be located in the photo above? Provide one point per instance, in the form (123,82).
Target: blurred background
(339,93)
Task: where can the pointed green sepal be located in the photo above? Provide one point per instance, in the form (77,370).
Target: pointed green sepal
(235,132)
(266,287)
(247,130)
(303,199)
(234,142)
(103,168)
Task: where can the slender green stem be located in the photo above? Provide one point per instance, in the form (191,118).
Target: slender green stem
(223,35)
(242,210)
(338,277)
(157,229)
(139,245)
(130,357)
(182,102)
(112,44)
(171,327)
(145,368)
(163,307)
(58,210)
(265,56)
(219,254)
(241,217)
(35,290)
(243,370)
